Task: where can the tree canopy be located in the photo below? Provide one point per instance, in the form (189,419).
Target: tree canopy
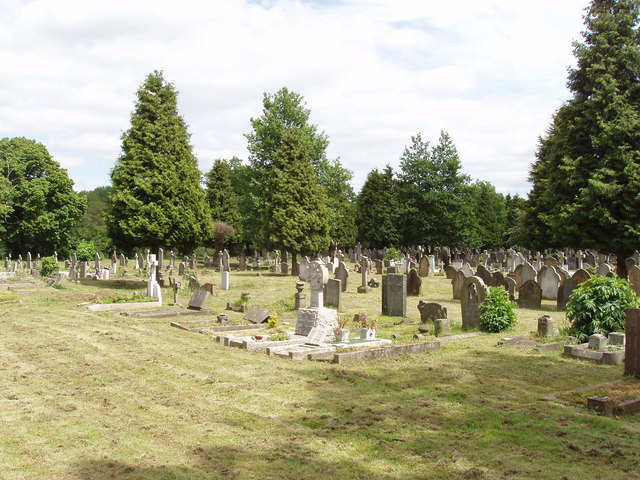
(157,197)
(586,177)
(377,210)
(39,208)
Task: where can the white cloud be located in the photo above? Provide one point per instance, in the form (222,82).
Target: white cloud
(373,73)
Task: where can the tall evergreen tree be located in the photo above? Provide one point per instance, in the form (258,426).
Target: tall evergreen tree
(296,204)
(157,197)
(284,118)
(221,196)
(91,226)
(434,197)
(341,208)
(586,177)
(377,210)
(490,214)
(40,208)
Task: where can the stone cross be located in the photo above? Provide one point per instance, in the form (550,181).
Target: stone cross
(318,277)
(365,264)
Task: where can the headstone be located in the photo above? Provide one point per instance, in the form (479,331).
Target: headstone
(485,275)
(497,279)
(430,311)
(224,283)
(257,315)
(181,269)
(598,342)
(564,292)
(473,293)
(153,288)
(432,265)
(394,295)
(581,276)
(365,264)
(305,269)
(442,326)
(634,278)
(510,285)
(242,262)
(97,262)
(29,266)
(160,258)
(546,327)
(414,283)
(527,273)
(456,283)
(198,299)
(332,293)
(317,335)
(449,271)
(530,295)
(123,260)
(83,269)
(467,270)
(318,277)
(342,274)
(225,261)
(549,281)
(604,270)
(632,343)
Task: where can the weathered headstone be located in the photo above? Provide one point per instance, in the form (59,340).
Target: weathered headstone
(549,281)
(365,264)
(530,295)
(456,283)
(565,291)
(510,285)
(342,274)
(394,295)
(442,326)
(485,275)
(414,283)
(332,293)
(257,315)
(604,270)
(198,299)
(546,327)
(160,259)
(467,270)
(181,269)
(430,311)
(449,271)
(225,261)
(473,293)
(634,278)
(581,276)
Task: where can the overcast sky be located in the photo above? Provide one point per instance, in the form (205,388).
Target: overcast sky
(373,73)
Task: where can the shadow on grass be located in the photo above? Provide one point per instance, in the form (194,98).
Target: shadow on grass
(115,284)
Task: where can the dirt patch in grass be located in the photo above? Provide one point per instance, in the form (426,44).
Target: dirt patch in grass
(619,391)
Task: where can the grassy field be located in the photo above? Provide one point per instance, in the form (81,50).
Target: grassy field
(88,395)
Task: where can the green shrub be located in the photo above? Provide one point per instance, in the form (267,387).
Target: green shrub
(277,337)
(598,306)
(497,311)
(393,254)
(48,265)
(86,251)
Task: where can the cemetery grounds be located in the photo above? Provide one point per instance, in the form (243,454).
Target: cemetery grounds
(88,395)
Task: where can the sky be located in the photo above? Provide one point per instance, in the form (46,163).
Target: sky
(373,73)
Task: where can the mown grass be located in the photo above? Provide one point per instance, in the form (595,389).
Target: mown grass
(87,395)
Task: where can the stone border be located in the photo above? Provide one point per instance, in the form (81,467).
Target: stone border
(384,352)
(114,307)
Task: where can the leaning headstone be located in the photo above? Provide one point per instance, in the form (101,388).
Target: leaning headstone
(564,292)
(632,343)
(198,299)
(257,315)
(225,261)
(456,283)
(394,295)
(473,293)
(332,293)
(431,311)
(530,295)
(97,262)
(413,283)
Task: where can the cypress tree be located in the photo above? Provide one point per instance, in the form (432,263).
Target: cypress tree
(157,198)
(377,210)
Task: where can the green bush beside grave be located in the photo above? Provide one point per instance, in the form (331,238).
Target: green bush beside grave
(497,311)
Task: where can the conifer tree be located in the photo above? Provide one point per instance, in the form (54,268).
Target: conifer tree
(157,199)
(586,177)
(377,210)
(221,197)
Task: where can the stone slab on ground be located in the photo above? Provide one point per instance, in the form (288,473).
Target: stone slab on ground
(166,312)
(582,352)
(114,307)
(459,336)
(211,326)
(257,315)
(384,352)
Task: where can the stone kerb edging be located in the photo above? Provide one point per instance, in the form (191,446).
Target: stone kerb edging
(113,307)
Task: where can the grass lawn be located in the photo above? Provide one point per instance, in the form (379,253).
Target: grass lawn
(87,395)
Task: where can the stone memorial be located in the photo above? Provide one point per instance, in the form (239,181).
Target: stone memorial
(530,295)
(564,292)
(257,315)
(414,283)
(549,281)
(394,295)
(423,266)
(634,278)
(316,315)
(456,283)
(153,287)
(473,293)
(333,288)
(431,311)
(632,343)
(365,265)
(342,273)
(546,327)
(198,299)
(300,296)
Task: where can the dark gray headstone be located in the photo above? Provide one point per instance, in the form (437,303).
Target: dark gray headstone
(530,295)
(564,292)
(197,300)
(414,283)
(456,283)
(394,295)
(473,293)
(257,315)
(332,291)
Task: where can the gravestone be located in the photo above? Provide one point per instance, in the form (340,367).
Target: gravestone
(510,285)
(456,283)
(153,287)
(317,336)
(197,300)
(473,293)
(449,271)
(160,258)
(497,279)
(605,270)
(441,326)
(342,273)
(225,280)
(365,264)
(432,265)
(257,315)
(225,262)
(414,283)
(304,269)
(394,295)
(485,275)
(581,275)
(97,262)
(549,281)
(181,269)
(530,295)
(242,262)
(316,315)
(632,343)
(634,278)
(517,275)
(430,311)
(123,260)
(546,327)
(598,342)
(467,270)
(564,292)
(332,293)
(527,273)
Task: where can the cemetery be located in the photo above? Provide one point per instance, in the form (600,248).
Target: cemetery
(172,358)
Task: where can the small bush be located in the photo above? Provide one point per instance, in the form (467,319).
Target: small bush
(497,311)
(393,254)
(273,321)
(598,306)
(48,265)
(86,251)
(276,337)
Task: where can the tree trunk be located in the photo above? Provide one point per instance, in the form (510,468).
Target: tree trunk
(294,263)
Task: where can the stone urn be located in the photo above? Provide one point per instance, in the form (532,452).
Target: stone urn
(367,334)
(342,335)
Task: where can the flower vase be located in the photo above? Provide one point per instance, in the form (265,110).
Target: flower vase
(367,334)
(342,335)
